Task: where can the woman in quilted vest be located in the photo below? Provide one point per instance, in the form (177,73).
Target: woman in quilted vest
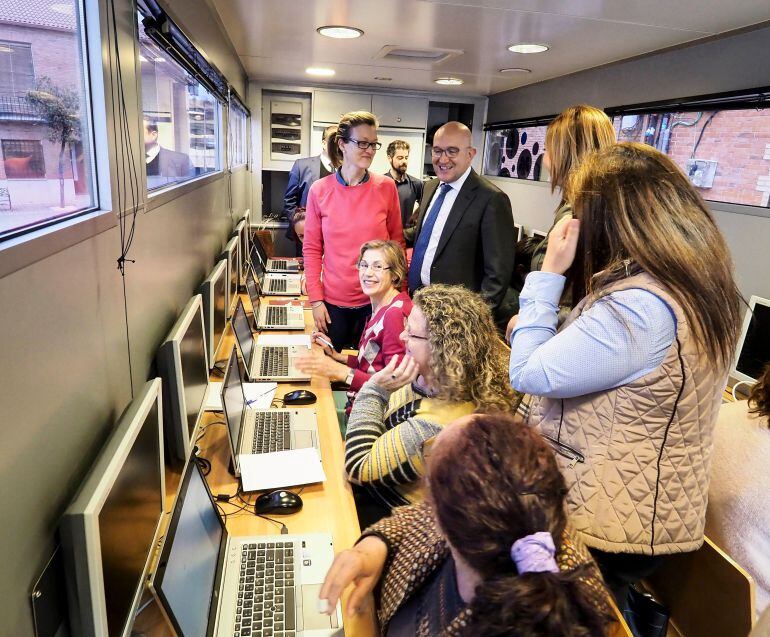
(628,389)
(488,554)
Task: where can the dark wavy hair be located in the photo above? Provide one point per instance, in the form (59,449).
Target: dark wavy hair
(759,396)
(517,490)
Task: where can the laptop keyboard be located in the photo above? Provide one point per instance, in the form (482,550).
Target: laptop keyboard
(275,361)
(277,315)
(278,264)
(278,285)
(266,603)
(272,432)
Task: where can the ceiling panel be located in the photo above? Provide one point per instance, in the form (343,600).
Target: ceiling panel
(276,40)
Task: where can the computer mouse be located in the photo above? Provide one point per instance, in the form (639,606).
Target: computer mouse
(299,397)
(280,502)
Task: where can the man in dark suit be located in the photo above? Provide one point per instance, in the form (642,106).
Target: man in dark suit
(464,224)
(162,162)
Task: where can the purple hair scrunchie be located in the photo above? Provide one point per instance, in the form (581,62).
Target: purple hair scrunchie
(535,553)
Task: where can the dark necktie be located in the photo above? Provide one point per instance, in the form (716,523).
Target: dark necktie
(418,254)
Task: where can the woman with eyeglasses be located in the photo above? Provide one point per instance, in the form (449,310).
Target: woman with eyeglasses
(344,210)
(489,553)
(381,273)
(454,366)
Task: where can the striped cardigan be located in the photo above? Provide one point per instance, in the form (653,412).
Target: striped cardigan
(385,436)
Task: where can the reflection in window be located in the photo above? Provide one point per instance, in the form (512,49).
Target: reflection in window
(725,153)
(181,119)
(516,152)
(46,172)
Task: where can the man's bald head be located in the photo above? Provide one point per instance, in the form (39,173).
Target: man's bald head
(452,151)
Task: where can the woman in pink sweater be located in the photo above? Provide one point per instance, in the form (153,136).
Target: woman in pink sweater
(344,210)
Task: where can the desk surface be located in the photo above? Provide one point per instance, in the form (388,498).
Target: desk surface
(328,507)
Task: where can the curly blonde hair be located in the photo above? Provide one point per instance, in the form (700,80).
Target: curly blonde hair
(468,360)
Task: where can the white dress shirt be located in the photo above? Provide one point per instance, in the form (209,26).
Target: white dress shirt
(151,154)
(438,227)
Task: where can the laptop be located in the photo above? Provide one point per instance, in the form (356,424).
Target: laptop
(211,583)
(265,362)
(272,317)
(285,265)
(277,284)
(262,430)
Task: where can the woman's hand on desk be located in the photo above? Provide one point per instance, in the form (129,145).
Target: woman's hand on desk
(361,566)
(396,375)
(321,316)
(319,338)
(316,364)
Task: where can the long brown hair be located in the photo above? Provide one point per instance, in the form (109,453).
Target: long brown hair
(468,359)
(636,208)
(573,134)
(759,396)
(348,122)
(495,482)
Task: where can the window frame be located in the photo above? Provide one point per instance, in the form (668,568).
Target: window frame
(28,45)
(235,106)
(529,122)
(89,18)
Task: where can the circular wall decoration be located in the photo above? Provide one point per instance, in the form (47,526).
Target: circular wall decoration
(512,143)
(538,168)
(524,165)
(535,148)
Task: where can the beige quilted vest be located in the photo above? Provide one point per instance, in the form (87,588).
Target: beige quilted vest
(639,480)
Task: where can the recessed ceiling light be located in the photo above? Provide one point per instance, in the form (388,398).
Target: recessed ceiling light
(384,79)
(63,7)
(320,71)
(449,81)
(515,70)
(528,48)
(340,32)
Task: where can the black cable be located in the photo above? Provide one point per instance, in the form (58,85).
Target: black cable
(205,465)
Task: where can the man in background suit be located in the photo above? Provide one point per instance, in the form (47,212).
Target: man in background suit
(162,162)
(464,224)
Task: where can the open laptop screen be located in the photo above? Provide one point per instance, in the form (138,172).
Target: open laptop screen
(233,401)
(186,574)
(242,331)
(754,353)
(253,290)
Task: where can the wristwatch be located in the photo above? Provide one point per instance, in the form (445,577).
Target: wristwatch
(349,377)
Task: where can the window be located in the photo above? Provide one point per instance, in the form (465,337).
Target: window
(238,131)
(47,168)
(516,152)
(181,119)
(725,153)
(23,159)
(17,75)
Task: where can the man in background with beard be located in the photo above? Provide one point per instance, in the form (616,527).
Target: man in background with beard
(409,188)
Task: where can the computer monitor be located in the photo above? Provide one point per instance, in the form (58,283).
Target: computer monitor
(231,254)
(539,235)
(110,528)
(214,293)
(244,338)
(184,367)
(753,351)
(239,234)
(519,231)
(233,401)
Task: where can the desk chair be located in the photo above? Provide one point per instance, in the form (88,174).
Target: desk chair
(707,593)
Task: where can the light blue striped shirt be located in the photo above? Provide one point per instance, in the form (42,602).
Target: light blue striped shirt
(620,338)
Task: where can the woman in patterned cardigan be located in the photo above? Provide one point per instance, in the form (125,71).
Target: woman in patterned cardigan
(478,557)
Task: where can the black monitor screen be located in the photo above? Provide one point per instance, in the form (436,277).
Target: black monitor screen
(260,249)
(233,400)
(242,331)
(253,290)
(220,312)
(128,520)
(187,570)
(195,374)
(755,352)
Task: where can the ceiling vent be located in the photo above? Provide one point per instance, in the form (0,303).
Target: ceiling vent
(427,57)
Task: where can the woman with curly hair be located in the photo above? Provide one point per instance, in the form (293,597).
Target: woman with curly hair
(454,366)
(489,552)
(737,517)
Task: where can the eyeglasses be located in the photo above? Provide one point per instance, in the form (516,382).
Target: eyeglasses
(363,266)
(365,145)
(450,152)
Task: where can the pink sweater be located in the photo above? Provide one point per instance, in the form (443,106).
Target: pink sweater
(339,219)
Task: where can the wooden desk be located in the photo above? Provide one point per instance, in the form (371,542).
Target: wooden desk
(328,507)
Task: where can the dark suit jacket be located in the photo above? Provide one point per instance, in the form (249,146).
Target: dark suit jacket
(303,173)
(475,245)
